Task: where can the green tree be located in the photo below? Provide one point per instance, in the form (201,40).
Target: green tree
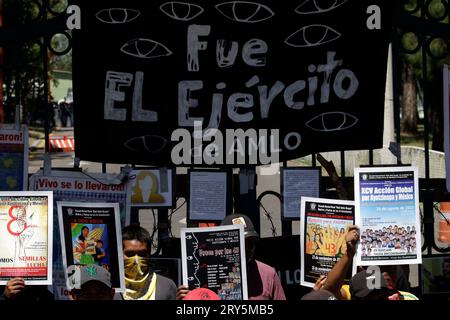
(415,80)
(23,59)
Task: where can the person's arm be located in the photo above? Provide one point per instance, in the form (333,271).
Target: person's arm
(101,255)
(336,276)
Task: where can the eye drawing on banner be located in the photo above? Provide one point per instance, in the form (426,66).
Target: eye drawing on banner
(312,36)
(150,143)
(117,15)
(239,11)
(332,121)
(145,49)
(146,188)
(318,6)
(175,10)
(19,227)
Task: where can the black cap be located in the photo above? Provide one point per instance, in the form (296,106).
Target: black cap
(359,285)
(319,295)
(235,218)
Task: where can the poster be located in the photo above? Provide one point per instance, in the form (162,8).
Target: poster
(208,195)
(13,158)
(291,74)
(26,237)
(446,82)
(387,212)
(296,183)
(215,258)
(324,224)
(92,235)
(79,187)
(150,188)
(436,275)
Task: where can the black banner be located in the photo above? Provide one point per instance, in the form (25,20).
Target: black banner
(307,76)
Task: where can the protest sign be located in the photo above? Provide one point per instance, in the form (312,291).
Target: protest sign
(296,183)
(387,212)
(209,195)
(26,237)
(150,188)
(324,224)
(80,187)
(91,234)
(215,258)
(291,77)
(13,158)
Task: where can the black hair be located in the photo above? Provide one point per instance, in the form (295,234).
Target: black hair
(100,241)
(81,234)
(136,232)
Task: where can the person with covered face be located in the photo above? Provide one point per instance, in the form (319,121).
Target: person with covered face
(140,281)
(263,282)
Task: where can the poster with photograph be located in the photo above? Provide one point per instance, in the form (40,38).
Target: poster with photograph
(214,258)
(208,195)
(446,82)
(297,183)
(78,187)
(26,235)
(150,188)
(436,275)
(91,234)
(324,224)
(13,158)
(387,212)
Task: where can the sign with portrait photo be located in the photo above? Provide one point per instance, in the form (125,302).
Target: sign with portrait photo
(387,212)
(91,234)
(75,186)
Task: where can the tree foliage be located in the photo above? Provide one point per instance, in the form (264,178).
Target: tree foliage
(425,78)
(23,59)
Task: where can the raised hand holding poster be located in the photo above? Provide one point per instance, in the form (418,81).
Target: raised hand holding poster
(324,224)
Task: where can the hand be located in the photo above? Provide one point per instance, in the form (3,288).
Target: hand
(351,239)
(14,287)
(320,283)
(182,291)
